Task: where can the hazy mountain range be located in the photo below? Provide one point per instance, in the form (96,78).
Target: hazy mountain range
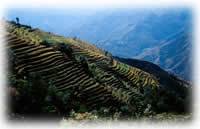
(174,55)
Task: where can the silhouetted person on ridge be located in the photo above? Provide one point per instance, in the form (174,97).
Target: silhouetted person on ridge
(17,19)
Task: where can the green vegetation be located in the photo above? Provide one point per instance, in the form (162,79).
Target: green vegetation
(24,31)
(39,97)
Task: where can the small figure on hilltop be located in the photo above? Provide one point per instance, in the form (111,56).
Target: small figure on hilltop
(17,19)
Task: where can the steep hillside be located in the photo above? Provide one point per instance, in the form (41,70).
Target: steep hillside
(164,78)
(90,73)
(37,35)
(174,55)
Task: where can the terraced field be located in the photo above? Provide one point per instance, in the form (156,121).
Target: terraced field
(103,81)
(51,64)
(37,35)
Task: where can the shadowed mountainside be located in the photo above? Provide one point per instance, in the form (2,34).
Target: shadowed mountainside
(163,76)
(174,55)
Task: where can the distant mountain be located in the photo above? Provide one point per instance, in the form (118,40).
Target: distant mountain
(126,33)
(174,55)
